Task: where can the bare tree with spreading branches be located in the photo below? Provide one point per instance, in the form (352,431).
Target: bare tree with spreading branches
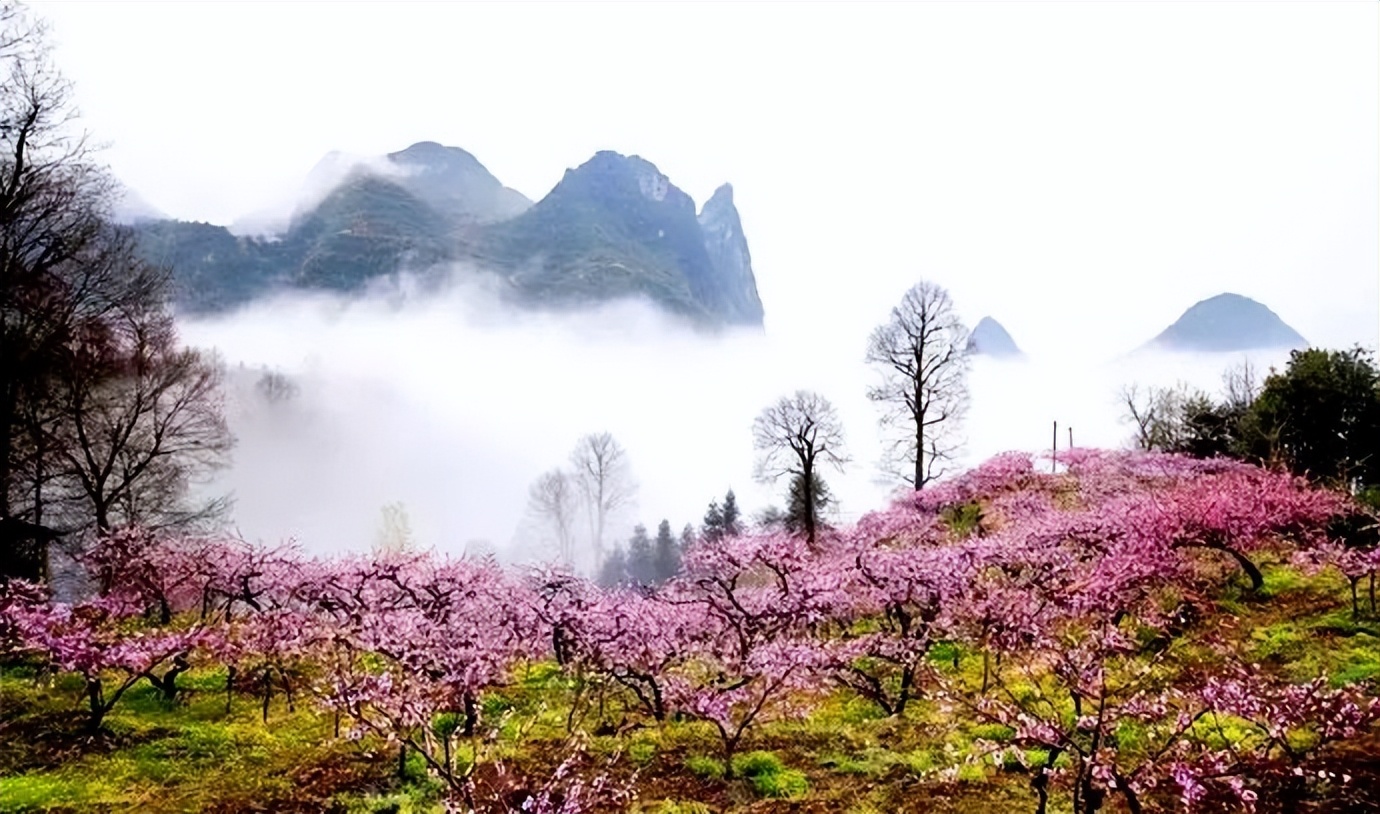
(921,353)
(74,298)
(605,482)
(142,420)
(796,437)
(552,503)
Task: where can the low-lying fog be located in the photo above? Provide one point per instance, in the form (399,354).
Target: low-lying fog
(452,406)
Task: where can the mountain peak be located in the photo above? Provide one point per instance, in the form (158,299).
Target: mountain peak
(990,338)
(1228,322)
(455,183)
(618,226)
(728,251)
(610,174)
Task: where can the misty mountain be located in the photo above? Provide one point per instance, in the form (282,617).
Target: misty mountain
(989,338)
(613,227)
(130,208)
(616,226)
(455,184)
(1228,322)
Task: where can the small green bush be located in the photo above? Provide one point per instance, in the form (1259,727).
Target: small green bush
(641,752)
(706,767)
(757,763)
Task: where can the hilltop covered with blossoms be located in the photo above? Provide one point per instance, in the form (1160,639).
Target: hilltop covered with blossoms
(1073,625)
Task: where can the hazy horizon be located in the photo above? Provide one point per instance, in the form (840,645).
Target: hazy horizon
(1081,172)
(452,405)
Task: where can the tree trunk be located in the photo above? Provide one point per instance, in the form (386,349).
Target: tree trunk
(1132,800)
(167,685)
(471,716)
(1040,782)
(907,681)
(96,697)
(102,518)
(730,748)
(1257,579)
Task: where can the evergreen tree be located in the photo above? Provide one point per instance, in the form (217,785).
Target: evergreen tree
(771,518)
(713,529)
(614,571)
(641,559)
(687,537)
(666,557)
(1321,416)
(732,520)
(800,516)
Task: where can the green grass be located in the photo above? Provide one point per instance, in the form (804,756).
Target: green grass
(705,767)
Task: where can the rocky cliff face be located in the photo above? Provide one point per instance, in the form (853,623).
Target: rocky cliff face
(734,283)
(617,227)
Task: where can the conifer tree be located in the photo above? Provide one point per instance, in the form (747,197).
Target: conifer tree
(666,557)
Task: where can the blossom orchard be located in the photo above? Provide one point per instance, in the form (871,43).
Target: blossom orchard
(1058,601)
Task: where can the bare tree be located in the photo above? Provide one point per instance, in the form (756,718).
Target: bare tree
(1158,415)
(394,535)
(552,503)
(797,436)
(921,352)
(141,420)
(66,274)
(605,482)
(1240,386)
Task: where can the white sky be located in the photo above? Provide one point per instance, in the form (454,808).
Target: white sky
(1081,171)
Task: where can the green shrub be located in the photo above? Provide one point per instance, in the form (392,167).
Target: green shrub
(920,762)
(755,763)
(707,767)
(641,752)
(769,776)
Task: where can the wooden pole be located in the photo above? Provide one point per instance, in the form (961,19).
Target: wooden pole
(1054,449)
(1070,437)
